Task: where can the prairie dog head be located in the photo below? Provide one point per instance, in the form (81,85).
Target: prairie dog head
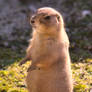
(47,20)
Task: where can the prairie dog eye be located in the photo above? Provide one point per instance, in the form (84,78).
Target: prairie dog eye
(47,17)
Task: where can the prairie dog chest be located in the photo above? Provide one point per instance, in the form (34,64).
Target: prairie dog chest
(44,47)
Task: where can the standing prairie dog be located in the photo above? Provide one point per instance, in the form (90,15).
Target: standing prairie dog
(49,52)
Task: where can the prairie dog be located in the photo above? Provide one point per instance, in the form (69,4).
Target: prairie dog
(49,52)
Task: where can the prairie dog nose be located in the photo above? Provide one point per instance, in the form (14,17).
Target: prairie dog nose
(33,19)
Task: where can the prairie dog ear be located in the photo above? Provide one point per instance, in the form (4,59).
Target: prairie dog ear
(58,18)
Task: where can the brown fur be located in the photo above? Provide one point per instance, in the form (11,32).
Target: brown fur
(49,51)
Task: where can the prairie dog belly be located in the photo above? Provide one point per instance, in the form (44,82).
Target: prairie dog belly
(55,79)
